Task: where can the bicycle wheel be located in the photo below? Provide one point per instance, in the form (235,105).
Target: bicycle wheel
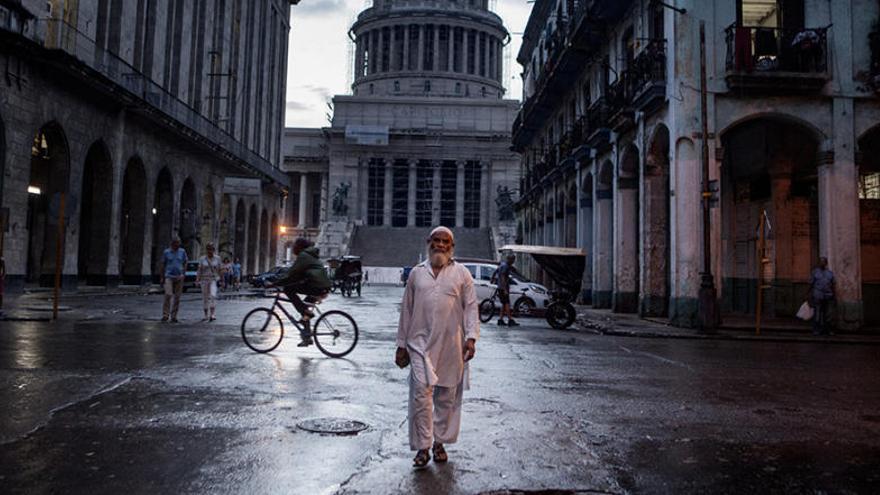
(335,333)
(523,306)
(560,315)
(262,330)
(487,310)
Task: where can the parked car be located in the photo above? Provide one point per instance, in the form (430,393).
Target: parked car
(536,295)
(269,277)
(189,275)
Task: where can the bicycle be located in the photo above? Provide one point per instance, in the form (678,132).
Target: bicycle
(522,306)
(335,332)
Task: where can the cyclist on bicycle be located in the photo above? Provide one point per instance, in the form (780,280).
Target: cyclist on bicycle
(501,277)
(306,276)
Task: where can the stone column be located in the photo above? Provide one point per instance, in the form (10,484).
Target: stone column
(389,193)
(604,248)
(500,62)
(392,52)
(420,60)
(380,50)
(358,58)
(459,193)
(626,233)
(486,190)
(406,47)
(435,198)
(411,195)
(303,201)
(436,59)
(325,196)
(451,51)
(839,217)
(464,51)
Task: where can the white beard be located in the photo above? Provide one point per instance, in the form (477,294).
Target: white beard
(439,259)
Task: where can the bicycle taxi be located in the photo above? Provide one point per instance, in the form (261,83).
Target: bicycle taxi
(347,275)
(565,267)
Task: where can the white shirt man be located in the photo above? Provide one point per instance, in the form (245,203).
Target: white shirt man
(437,334)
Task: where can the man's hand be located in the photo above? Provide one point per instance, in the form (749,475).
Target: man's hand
(401,357)
(470,348)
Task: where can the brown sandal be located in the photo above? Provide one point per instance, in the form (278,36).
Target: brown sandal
(421,459)
(439,453)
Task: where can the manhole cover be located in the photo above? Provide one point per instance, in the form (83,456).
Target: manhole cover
(333,426)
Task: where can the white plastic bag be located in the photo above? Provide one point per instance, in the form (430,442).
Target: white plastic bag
(805,312)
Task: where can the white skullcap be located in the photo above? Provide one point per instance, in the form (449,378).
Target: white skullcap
(441,229)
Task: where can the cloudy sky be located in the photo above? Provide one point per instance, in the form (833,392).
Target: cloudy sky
(320,60)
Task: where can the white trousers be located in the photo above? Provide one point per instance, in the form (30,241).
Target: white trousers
(434,414)
(209,296)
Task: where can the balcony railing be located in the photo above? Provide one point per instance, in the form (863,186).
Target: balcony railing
(648,75)
(63,38)
(761,57)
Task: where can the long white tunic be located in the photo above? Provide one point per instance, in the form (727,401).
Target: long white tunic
(437,316)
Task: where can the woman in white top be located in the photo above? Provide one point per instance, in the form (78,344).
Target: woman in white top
(208,276)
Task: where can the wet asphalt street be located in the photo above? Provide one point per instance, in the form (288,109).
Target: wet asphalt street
(109,400)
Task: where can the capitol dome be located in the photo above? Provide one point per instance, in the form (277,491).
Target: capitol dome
(433,48)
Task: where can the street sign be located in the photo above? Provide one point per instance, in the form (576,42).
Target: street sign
(242,186)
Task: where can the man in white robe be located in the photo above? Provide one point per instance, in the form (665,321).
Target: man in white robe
(439,327)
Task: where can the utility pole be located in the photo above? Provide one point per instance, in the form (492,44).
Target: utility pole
(708,314)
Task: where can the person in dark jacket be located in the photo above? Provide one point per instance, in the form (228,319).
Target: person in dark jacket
(306,276)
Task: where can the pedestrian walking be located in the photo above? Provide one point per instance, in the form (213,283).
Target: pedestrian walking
(236,274)
(436,337)
(173,264)
(501,277)
(820,295)
(366,277)
(207,276)
(226,271)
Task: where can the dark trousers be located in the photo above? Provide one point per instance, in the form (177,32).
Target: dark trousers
(293,291)
(821,323)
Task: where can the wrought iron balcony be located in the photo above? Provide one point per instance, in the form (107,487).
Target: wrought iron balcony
(649,77)
(619,97)
(776,60)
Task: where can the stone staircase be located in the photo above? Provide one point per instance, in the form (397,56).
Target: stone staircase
(397,247)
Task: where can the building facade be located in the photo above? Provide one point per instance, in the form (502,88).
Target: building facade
(422,140)
(611,133)
(123,124)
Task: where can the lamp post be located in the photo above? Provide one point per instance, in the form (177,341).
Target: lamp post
(708,302)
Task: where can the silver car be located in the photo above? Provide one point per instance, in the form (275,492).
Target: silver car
(528,294)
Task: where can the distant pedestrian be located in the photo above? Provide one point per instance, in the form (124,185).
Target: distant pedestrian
(207,276)
(437,334)
(173,264)
(226,272)
(366,277)
(501,277)
(236,274)
(820,295)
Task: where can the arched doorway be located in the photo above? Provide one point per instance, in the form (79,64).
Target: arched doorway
(587,235)
(49,179)
(226,241)
(571,216)
(264,241)
(604,234)
(273,241)
(206,230)
(240,223)
(253,231)
(869,216)
(94,216)
(132,223)
(655,293)
(626,271)
(769,166)
(188,219)
(163,216)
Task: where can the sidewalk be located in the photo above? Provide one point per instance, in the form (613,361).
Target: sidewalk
(605,322)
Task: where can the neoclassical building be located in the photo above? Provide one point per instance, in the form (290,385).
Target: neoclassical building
(613,149)
(422,140)
(123,124)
